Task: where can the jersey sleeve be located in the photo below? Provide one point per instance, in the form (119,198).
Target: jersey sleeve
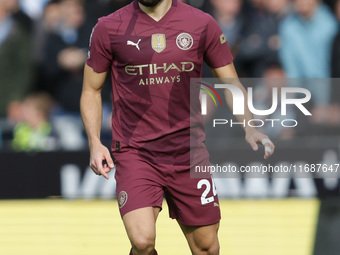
(100,54)
(217,53)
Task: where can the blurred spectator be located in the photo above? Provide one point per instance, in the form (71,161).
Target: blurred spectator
(336,47)
(48,23)
(19,16)
(33,9)
(273,77)
(280,8)
(306,40)
(65,53)
(333,112)
(260,41)
(51,17)
(34,131)
(307,36)
(228,15)
(16,72)
(98,8)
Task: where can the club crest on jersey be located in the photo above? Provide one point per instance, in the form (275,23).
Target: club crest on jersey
(184,41)
(223,39)
(158,42)
(122,198)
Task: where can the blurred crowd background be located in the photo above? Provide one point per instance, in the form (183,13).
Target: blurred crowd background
(44,43)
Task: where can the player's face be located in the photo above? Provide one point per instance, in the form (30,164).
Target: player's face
(149,3)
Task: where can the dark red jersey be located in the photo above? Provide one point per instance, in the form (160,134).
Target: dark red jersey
(151,64)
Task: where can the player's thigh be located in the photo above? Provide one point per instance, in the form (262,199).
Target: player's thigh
(193,202)
(202,239)
(140,225)
(139,183)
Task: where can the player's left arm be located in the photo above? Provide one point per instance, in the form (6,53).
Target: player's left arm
(252,135)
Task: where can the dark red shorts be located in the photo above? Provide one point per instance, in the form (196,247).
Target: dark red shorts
(141,184)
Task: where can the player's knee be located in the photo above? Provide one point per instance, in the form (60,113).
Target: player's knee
(143,245)
(209,248)
(214,249)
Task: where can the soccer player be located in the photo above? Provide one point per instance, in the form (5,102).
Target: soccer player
(152,48)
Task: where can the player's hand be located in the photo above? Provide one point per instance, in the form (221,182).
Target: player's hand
(254,137)
(100,160)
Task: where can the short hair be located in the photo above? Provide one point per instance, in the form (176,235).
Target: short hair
(42,101)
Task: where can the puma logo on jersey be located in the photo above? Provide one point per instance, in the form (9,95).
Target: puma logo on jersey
(134,44)
(216,205)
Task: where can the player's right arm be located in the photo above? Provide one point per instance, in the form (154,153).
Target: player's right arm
(91,112)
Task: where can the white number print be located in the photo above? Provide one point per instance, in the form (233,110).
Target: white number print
(204,199)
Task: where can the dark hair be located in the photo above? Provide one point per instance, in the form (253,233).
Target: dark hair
(273,64)
(42,101)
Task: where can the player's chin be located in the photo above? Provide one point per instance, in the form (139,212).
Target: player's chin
(149,3)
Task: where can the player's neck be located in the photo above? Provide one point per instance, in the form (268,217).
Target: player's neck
(157,12)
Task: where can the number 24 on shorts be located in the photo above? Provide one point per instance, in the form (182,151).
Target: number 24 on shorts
(206,183)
